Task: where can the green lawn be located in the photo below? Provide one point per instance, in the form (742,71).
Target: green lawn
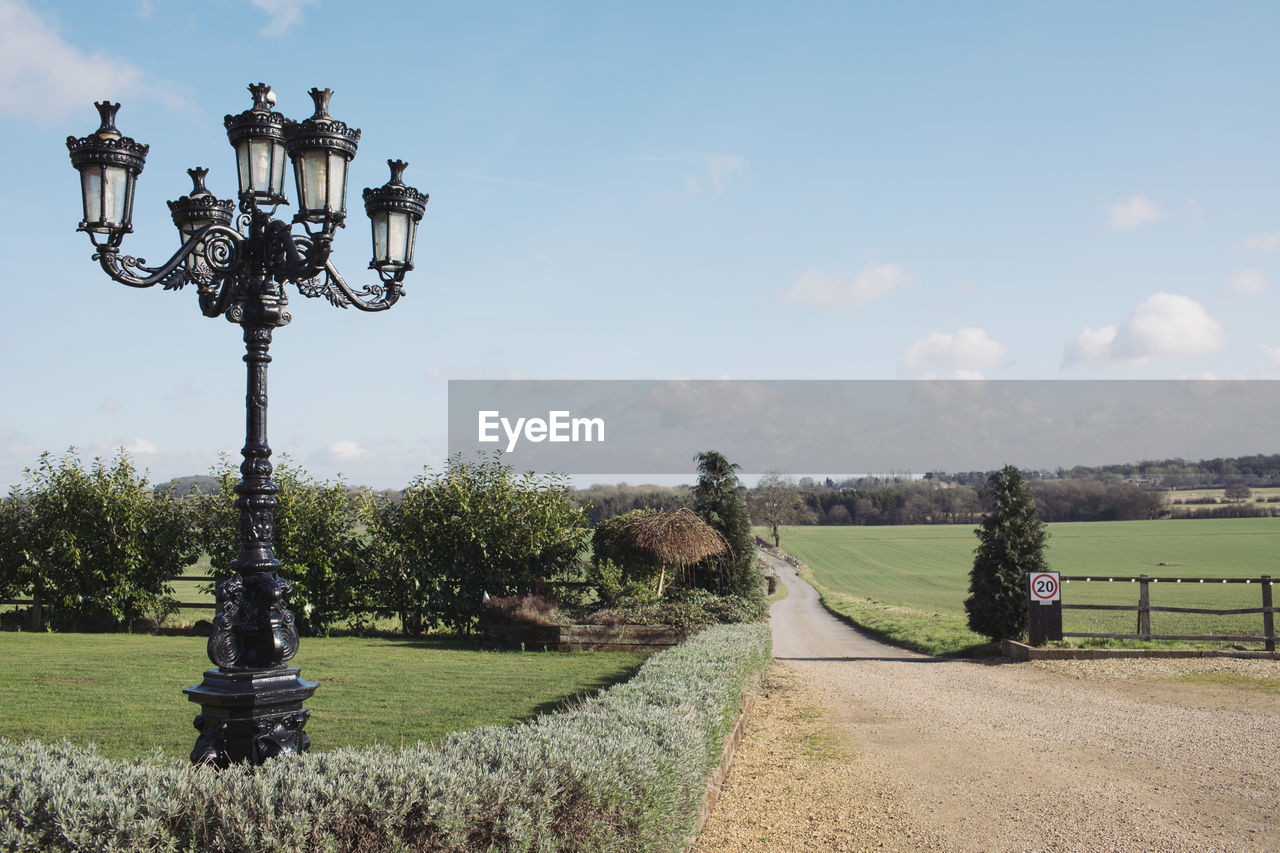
(124,692)
(913,580)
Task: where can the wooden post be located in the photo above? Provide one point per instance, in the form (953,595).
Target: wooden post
(35,617)
(1268,618)
(1144,607)
(1035,620)
(1044,618)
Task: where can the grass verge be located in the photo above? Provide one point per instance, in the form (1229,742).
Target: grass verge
(623,771)
(931,633)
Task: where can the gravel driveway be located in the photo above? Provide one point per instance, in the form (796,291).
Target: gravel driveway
(861,746)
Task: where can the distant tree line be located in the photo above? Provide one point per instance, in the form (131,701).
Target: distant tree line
(601,502)
(1106,493)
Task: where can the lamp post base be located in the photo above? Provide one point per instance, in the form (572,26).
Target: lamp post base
(250,716)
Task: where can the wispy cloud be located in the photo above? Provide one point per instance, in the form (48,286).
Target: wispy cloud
(1261,242)
(282,15)
(718,173)
(43,78)
(1137,211)
(1248,282)
(822,290)
(1165,324)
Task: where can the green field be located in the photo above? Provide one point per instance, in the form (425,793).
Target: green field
(124,691)
(920,574)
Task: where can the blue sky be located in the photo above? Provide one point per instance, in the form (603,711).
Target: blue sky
(651,190)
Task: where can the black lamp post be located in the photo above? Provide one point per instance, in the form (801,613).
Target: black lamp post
(251,703)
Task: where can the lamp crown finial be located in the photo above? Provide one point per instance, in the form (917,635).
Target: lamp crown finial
(263,98)
(198,175)
(321,98)
(107,113)
(397,171)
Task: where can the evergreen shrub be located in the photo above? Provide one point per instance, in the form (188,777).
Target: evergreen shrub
(623,771)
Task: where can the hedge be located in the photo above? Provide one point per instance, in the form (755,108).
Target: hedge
(623,771)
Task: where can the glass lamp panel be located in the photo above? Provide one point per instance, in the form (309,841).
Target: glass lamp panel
(115,193)
(397,237)
(379,221)
(91,190)
(277,168)
(242,161)
(337,182)
(413,238)
(130,180)
(260,165)
(317,179)
(299,168)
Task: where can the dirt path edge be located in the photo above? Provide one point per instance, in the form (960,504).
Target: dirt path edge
(716,782)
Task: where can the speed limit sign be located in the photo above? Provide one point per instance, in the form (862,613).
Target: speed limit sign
(1045,587)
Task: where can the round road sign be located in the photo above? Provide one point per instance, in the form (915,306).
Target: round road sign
(1045,587)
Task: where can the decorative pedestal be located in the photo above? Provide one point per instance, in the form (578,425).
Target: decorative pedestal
(250,716)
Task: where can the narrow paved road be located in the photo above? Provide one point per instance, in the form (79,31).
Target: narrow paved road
(928,753)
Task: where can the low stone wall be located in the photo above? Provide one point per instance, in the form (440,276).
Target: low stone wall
(583,638)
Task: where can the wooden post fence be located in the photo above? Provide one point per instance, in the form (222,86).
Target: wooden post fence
(1145,608)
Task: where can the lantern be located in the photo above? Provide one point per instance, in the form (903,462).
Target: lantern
(395,211)
(109,165)
(321,148)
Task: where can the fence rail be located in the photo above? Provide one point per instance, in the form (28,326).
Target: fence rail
(1144,608)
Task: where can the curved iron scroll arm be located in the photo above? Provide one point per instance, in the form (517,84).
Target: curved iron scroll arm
(214,250)
(374,297)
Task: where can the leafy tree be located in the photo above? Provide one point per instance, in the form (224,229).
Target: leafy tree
(1237,492)
(473,529)
(1011,544)
(93,545)
(316,537)
(719,498)
(776,501)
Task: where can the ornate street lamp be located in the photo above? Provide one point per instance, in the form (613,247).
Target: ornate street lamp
(251,702)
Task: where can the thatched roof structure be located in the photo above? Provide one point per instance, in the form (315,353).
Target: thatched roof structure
(676,537)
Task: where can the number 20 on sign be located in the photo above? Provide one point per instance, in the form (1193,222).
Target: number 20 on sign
(1045,587)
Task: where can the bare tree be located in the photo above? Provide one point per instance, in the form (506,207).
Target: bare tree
(777,500)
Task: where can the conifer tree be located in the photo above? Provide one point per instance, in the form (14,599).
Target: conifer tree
(720,499)
(1011,545)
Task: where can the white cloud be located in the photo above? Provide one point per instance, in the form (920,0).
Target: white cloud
(965,352)
(822,290)
(283,15)
(344,451)
(1249,282)
(1092,346)
(139,447)
(1261,242)
(1165,324)
(1139,210)
(43,78)
(718,172)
